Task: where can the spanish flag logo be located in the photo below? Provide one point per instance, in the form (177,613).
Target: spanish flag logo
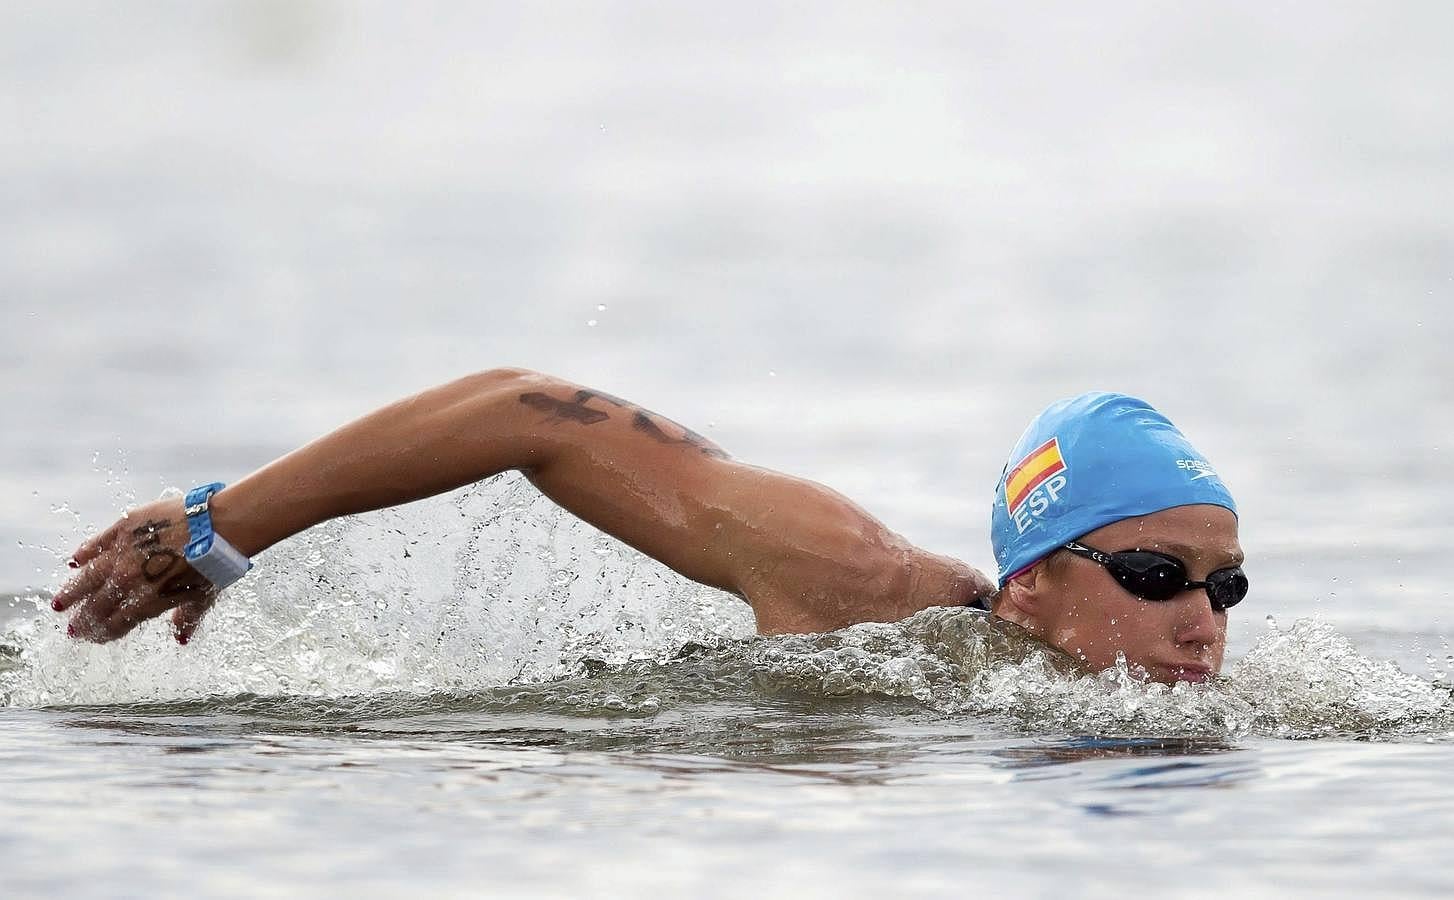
(1037,466)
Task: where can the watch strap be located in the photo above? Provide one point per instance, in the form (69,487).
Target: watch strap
(207,551)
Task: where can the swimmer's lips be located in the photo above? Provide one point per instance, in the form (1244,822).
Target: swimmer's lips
(1200,673)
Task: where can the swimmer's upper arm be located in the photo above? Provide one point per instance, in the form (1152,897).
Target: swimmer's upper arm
(810,559)
(804,556)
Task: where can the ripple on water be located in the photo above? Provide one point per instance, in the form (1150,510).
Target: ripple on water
(1304,681)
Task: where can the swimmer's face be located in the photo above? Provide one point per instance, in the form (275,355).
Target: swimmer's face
(1075,604)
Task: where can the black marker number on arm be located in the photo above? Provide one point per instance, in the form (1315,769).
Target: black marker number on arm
(642,420)
(156,559)
(564,410)
(643,423)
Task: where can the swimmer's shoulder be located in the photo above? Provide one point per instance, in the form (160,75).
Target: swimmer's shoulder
(946,581)
(879,584)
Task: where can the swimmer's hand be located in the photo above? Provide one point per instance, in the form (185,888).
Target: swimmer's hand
(133,571)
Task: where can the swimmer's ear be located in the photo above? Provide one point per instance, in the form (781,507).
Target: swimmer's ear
(1023,597)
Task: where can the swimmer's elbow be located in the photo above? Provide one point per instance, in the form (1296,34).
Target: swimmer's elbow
(493,392)
(502,378)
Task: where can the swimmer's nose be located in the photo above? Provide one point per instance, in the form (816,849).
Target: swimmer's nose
(1197,623)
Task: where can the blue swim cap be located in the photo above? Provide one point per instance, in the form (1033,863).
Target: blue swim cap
(1087,462)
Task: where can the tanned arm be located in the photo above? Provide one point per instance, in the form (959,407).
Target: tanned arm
(805,558)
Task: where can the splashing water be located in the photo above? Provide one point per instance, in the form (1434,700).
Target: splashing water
(1304,681)
(496,596)
(490,586)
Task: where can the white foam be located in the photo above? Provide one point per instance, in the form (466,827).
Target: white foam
(1307,680)
(494,586)
(489,586)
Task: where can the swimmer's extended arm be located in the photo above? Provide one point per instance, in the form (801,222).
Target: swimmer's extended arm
(805,557)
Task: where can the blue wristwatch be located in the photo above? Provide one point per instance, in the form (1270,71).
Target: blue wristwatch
(218,561)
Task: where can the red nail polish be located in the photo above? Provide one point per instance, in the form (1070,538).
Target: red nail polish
(183,638)
(56,605)
(73,564)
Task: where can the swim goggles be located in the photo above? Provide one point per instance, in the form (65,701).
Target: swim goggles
(1157,577)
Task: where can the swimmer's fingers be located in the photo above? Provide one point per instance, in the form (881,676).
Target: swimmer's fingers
(118,612)
(86,582)
(90,613)
(127,599)
(93,546)
(188,615)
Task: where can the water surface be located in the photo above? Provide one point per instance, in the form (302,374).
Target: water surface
(857,243)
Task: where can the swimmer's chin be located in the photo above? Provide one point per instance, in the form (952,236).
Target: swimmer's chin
(1170,673)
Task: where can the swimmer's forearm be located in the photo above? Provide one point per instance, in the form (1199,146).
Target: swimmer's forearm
(427,444)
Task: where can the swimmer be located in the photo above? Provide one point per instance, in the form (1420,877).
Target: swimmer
(1112,534)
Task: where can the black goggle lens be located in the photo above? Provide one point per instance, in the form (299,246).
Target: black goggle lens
(1227,587)
(1149,576)
(1158,577)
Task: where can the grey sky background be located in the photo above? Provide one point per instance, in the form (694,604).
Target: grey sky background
(860,242)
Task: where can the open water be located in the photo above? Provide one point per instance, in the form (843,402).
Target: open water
(860,243)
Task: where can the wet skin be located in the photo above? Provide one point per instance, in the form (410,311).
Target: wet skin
(806,558)
(1075,604)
